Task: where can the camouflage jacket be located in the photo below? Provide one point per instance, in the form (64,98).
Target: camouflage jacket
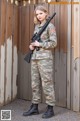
(48,41)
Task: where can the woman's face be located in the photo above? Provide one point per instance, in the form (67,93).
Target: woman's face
(41,16)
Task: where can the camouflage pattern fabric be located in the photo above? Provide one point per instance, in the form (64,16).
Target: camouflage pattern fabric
(42,66)
(42,74)
(49,41)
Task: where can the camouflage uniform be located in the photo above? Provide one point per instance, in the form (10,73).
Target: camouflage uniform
(42,66)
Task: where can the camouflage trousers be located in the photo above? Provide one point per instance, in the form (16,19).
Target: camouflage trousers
(42,74)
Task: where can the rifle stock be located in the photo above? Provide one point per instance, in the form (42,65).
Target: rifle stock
(28,56)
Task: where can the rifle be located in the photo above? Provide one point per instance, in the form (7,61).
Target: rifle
(36,36)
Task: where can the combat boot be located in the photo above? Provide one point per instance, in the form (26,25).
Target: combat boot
(49,112)
(32,111)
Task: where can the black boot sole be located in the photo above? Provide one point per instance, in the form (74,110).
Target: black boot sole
(46,116)
(35,113)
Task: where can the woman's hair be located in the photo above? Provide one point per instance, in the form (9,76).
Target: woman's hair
(41,8)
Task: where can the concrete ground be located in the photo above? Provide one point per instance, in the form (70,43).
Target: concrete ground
(18,106)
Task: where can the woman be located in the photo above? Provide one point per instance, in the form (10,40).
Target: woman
(42,65)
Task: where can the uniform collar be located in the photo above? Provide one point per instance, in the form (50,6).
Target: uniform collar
(40,25)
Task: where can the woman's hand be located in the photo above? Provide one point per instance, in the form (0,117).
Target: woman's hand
(35,44)
(31,47)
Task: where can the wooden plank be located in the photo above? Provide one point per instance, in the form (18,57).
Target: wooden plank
(20,19)
(31,34)
(25,74)
(72,60)
(63,28)
(3,22)
(25,29)
(9,20)
(20,87)
(15,26)
(2,50)
(15,72)
(60,58)
(72,76)
(19,56)
(8,74)
(15,52)
(76,56)
(76,85)
(2,74)
(8,86)
(31,21)
(69,59)
(60,78)
(57,25)
(24,88)
(24,78)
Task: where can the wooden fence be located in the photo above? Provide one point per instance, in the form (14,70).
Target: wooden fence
(16,30)
(8,51)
